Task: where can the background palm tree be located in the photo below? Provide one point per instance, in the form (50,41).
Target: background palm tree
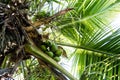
(85,26)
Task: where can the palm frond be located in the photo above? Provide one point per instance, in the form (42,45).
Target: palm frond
(88,28)
(106,69)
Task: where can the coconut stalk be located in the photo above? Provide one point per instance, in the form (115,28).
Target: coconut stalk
(35,51)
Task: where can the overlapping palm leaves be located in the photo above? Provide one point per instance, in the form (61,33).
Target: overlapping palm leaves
(87,27)
(88,30)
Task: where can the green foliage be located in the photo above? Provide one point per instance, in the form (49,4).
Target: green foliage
(40,73)
(87,28)
(40,15)
(108,69)
(34,71)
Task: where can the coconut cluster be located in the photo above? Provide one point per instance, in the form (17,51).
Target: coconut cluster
(52,50)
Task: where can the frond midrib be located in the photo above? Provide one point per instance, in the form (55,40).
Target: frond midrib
(86,48)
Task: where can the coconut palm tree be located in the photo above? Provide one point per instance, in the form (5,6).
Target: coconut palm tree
(33,33)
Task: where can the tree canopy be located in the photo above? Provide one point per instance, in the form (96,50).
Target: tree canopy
(34,35)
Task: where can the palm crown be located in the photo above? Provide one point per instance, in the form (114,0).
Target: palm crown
(84,25)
